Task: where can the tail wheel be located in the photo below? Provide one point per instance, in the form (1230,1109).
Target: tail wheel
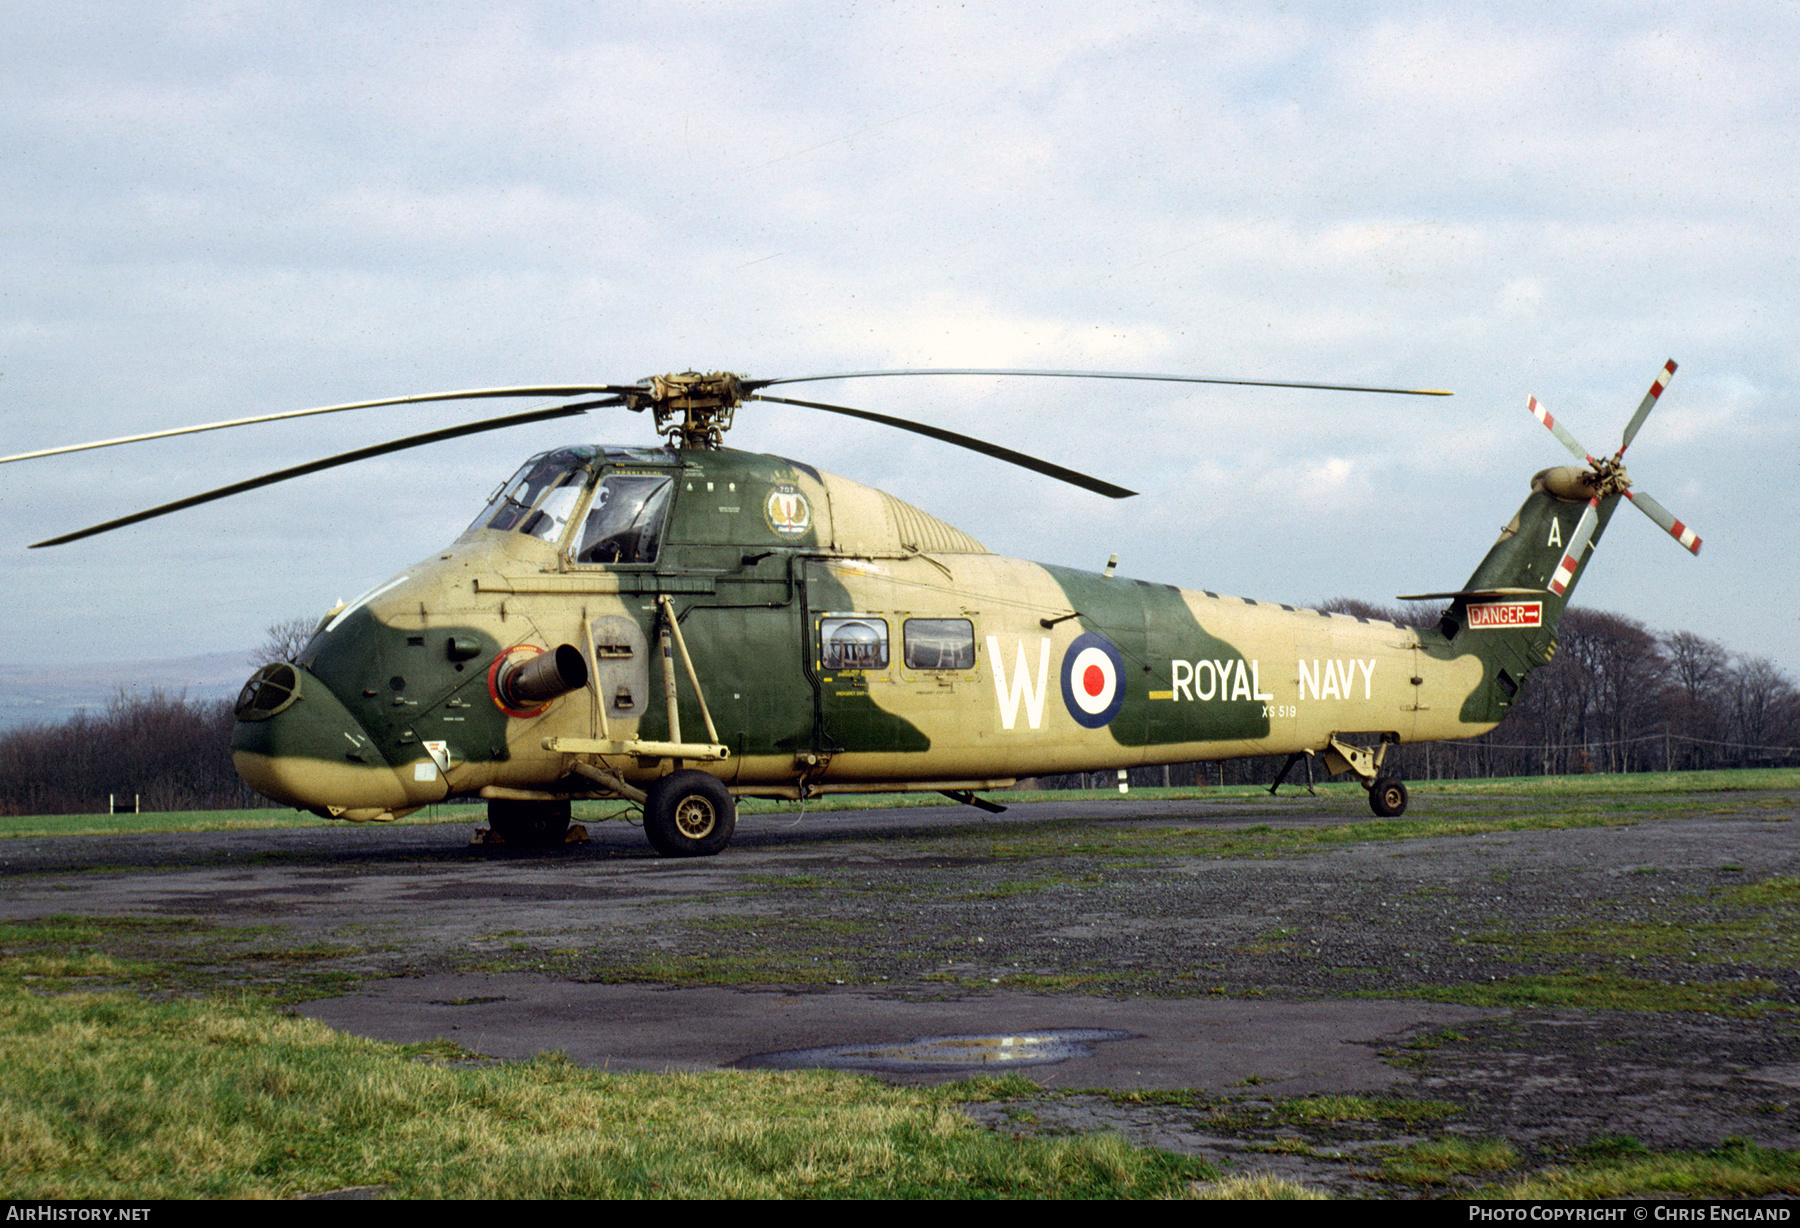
(689,814)
(1387,798)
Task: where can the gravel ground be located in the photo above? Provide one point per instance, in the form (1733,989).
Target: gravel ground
(1636,977)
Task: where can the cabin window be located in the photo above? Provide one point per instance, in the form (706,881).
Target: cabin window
(853,643)
(939,643)
(624,522)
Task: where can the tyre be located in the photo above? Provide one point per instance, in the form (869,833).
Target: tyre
(1387,798)
(529,823)
(689,814)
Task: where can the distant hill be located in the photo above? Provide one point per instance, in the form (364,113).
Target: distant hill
(52,692)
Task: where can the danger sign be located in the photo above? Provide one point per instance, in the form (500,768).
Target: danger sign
(1507,614)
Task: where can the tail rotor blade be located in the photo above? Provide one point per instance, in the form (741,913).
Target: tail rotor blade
(1688,539)
(1643,411)
(1584,529)
(1556,428)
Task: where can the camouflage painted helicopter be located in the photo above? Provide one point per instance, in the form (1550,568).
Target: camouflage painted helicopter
(685,625)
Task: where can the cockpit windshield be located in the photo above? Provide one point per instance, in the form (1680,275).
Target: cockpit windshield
(623,522)
(539,498)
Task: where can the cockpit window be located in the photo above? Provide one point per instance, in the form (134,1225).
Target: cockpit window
(554,509)
(539,497)
(624,521)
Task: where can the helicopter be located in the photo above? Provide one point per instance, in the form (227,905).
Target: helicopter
(683,625)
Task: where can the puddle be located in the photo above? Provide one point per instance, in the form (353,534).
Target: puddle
(981,1051)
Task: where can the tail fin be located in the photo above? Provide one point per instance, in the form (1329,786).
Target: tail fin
(1508,610)
(1507,613)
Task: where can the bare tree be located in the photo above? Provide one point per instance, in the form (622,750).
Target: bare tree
(173,753)
(1598,704)
(284,641)
(1411,614)
(1765,710)
(1699,671)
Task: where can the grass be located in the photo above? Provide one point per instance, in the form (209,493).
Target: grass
(1452,1164)
(1129,843)
(1303,1112)
(1747,780)
(1312,1110)
(1721,929)
(260,819)
(162,956)
(1257,1187)
(1744,998)
(1443,1161)
(1729,780)
(110,1096)
(1734,1169)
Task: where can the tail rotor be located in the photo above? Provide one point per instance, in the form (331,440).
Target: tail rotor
(1609,477)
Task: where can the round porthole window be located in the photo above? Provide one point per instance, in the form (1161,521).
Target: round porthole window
(271,689)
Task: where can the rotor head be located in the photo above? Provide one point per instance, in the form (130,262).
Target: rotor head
(693,410)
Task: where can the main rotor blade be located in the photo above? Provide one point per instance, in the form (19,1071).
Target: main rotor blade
(1169,379)
(346,458)
(1568,441)
(1643,410)
(1688,539)
(974,445)
(473,394)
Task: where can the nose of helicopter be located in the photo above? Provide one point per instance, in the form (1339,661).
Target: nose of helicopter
(296,742)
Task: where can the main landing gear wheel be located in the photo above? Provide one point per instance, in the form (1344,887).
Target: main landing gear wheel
(1387,798)
(689,814)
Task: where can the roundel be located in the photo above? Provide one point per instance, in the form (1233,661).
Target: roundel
(1093,680)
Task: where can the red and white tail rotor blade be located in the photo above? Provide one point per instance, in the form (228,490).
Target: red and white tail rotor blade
(1611,477)
(1690,541)
(1568,441)
(1643,411)
(1571,563)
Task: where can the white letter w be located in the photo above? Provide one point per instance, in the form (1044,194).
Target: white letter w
(1021,684)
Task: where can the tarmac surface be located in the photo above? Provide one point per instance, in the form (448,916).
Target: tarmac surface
(1225,947)
(449,902)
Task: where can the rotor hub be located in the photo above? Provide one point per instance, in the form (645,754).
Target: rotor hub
(693,410)
(1610,477)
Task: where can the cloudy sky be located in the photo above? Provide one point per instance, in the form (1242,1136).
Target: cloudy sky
(220,209)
